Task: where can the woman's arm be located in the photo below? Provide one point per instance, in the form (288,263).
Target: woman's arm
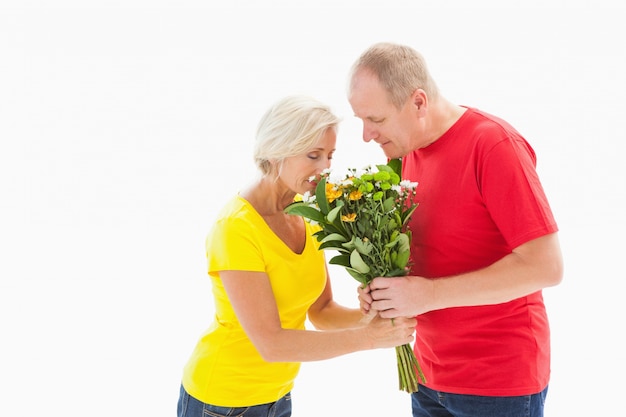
(251,296)
(326,314)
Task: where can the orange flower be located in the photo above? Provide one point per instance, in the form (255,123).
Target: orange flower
(355,195)
(351,217)
(331,193)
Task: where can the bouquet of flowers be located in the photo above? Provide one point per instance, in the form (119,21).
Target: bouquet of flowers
(363,217)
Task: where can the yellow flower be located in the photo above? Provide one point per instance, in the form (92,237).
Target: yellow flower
(331,193)
(355,195)
(349,217)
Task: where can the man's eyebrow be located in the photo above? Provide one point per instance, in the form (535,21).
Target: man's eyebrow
(372,118)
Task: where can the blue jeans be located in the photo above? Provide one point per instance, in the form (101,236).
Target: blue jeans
(188,406)
(430,403)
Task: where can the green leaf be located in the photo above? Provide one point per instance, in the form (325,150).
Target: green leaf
(357,262)
(402,259)
(333,228)
(392,243)
(405,243)
(350,245)
(333,245)
(342,260)
(396,166)
(407,214)
(320,235)
(320,196)
(389,204)
(397,219)
(304,210)
(363,247)
(335,236)
(363,279)
(392,226)
(332,215)
(398,272)
(384,168)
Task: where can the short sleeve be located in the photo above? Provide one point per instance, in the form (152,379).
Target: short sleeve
(232,246)
(513,194)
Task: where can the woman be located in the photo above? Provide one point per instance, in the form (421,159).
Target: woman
(268,274)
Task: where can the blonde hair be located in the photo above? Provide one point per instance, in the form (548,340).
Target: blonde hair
(400,69)
(290,127)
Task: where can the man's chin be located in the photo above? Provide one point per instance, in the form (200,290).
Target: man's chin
(391,153)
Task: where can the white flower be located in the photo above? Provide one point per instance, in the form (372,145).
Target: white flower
(307,197)
(408,184)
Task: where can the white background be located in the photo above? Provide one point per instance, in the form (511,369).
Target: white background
(124,126)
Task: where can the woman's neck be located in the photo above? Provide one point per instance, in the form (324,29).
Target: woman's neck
(268,196)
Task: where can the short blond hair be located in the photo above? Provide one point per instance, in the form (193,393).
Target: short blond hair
(400,69)
(291,127)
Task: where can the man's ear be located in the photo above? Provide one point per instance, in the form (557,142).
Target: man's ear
(420,99)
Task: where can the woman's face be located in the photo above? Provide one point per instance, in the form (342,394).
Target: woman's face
(298,170)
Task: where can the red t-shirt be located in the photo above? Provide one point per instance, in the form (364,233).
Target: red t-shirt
(479,197)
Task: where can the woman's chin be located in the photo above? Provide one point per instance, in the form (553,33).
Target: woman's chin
(310,188)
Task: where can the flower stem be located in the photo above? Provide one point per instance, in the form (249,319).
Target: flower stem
(408,369)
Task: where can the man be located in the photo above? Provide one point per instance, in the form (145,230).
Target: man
(484,242)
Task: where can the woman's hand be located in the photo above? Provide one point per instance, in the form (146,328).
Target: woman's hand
(365,299)
(386,333)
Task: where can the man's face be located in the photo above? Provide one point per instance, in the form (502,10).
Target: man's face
(382,121)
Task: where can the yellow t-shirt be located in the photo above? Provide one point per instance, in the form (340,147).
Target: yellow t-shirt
(225,368)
